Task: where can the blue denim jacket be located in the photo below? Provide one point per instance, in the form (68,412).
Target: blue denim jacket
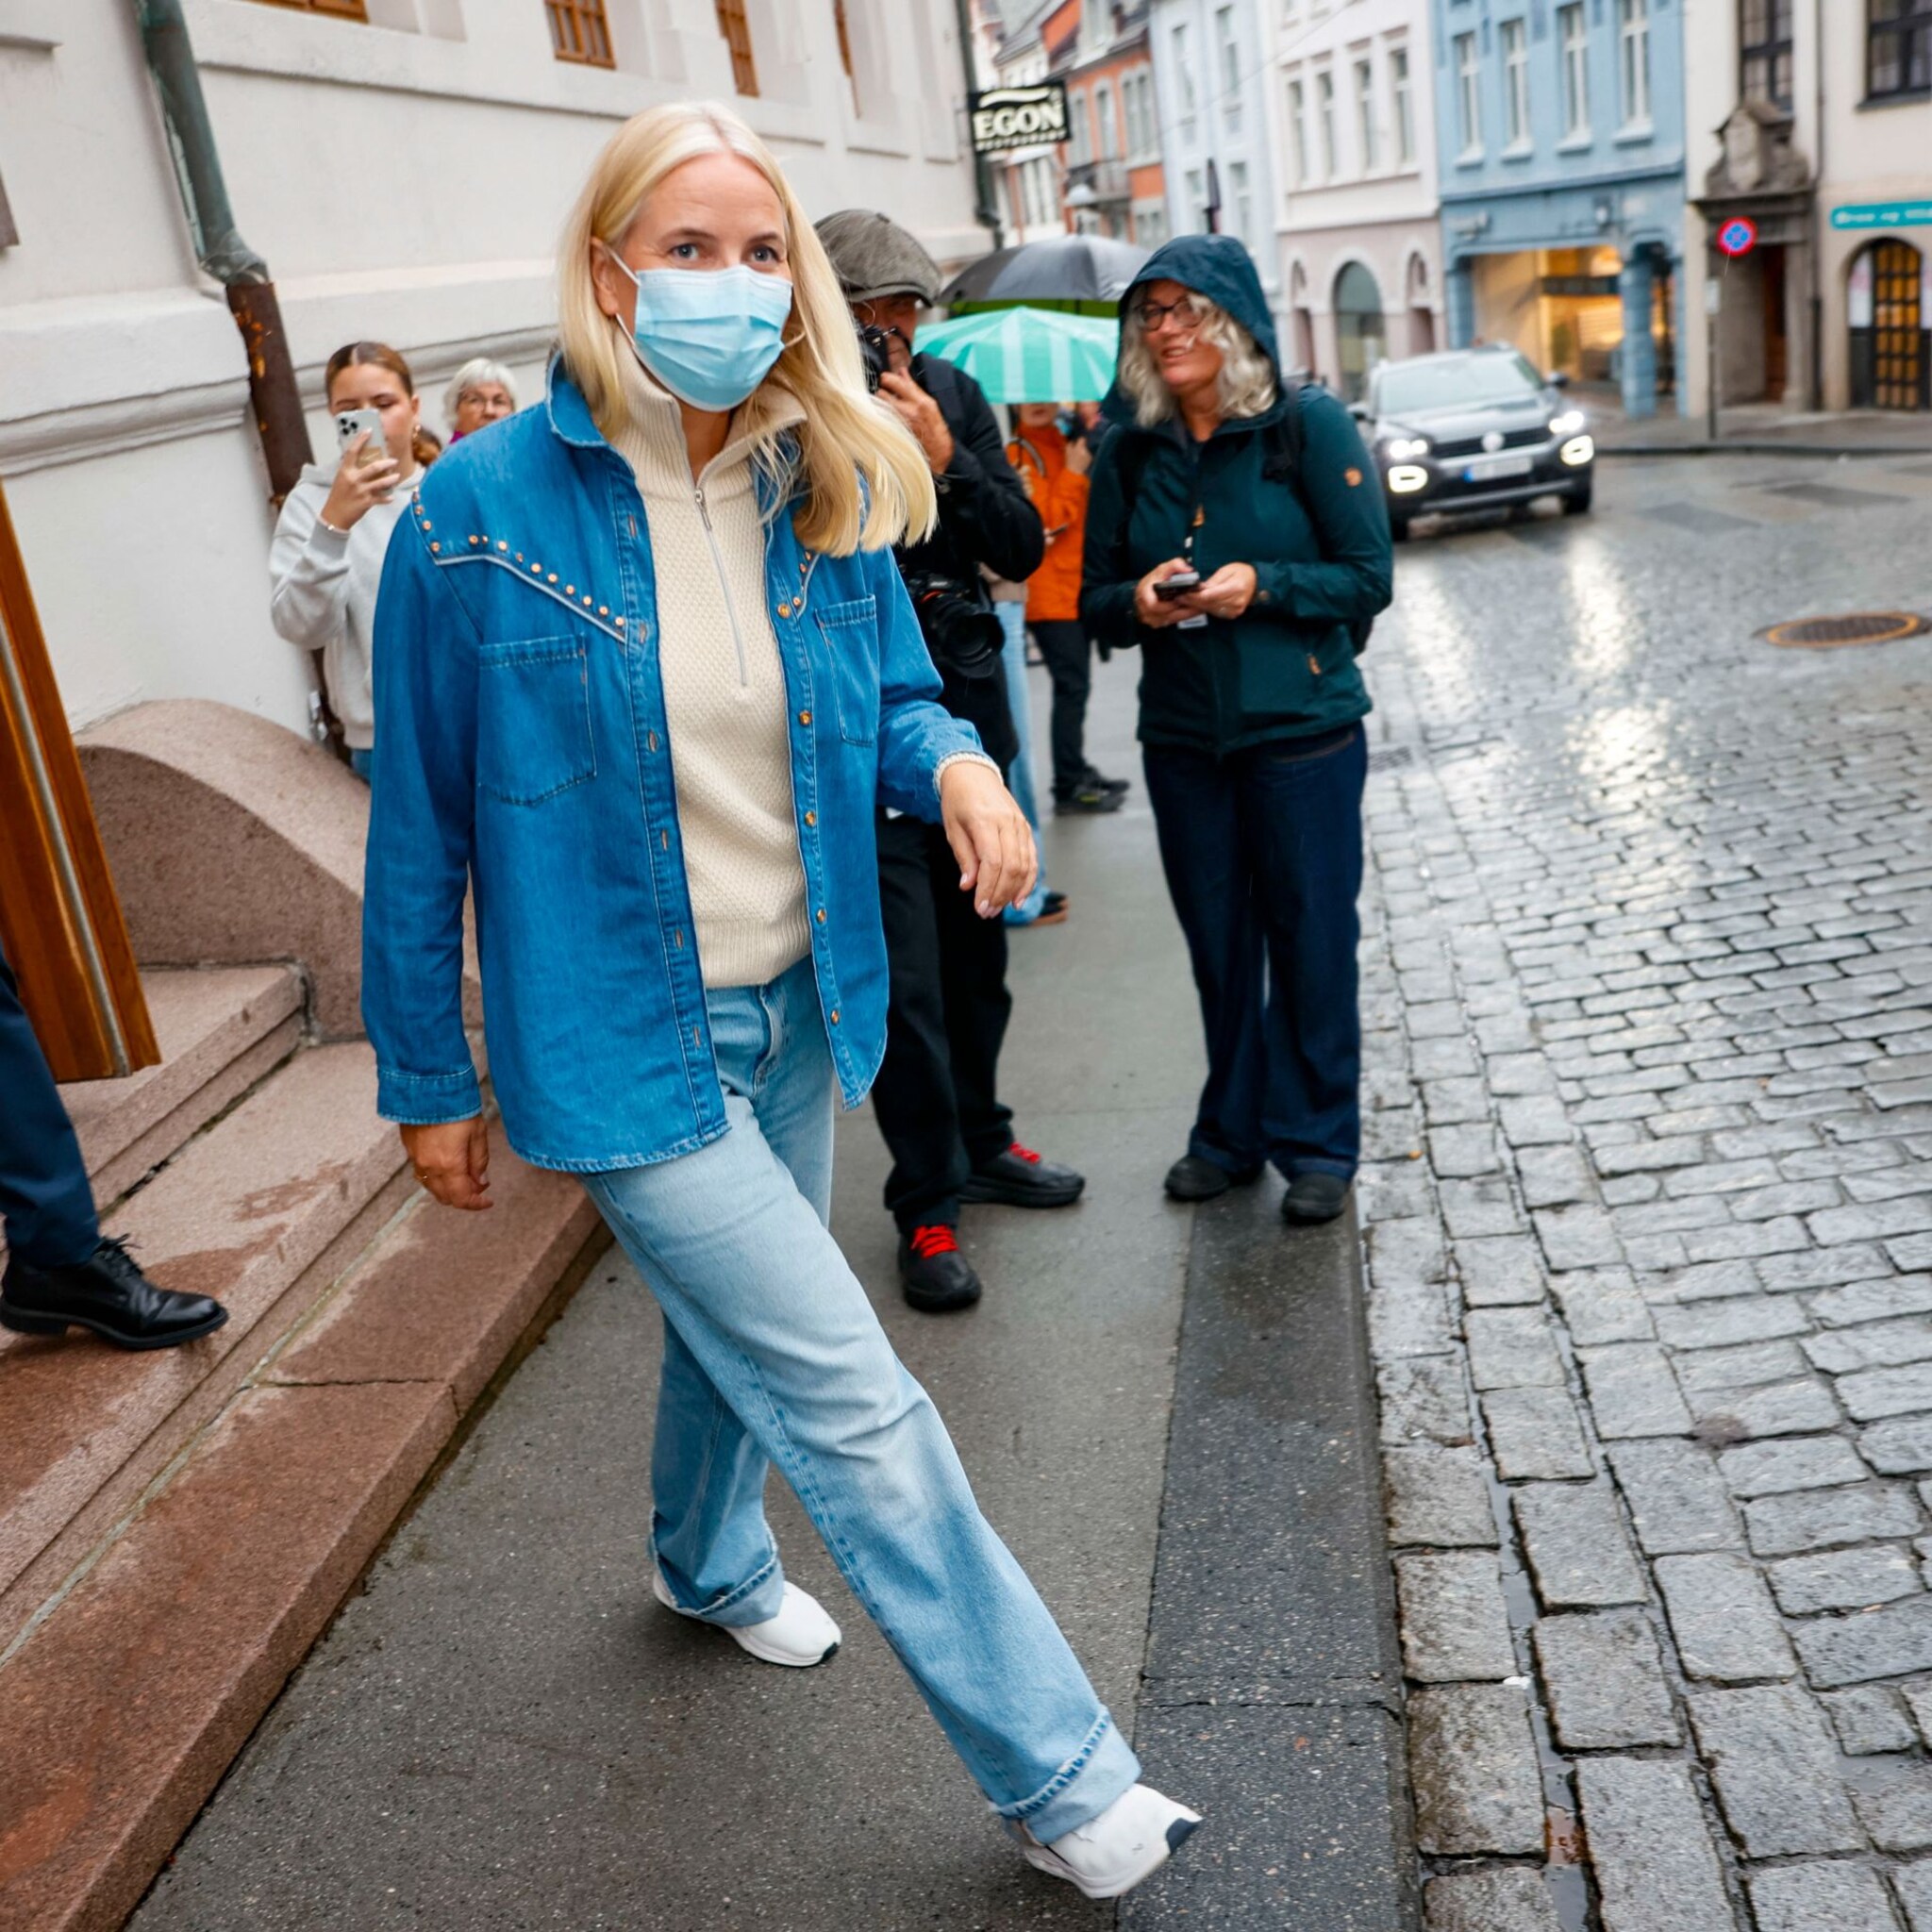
(521,745)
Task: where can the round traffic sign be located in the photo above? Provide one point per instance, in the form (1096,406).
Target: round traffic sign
(1739,236)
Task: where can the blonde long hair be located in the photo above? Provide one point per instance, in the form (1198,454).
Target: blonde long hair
(1245,386)
(865,483)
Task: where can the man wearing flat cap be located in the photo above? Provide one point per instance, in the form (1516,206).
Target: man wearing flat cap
(937,1094)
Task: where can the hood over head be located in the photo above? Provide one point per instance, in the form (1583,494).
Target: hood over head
(1216,266)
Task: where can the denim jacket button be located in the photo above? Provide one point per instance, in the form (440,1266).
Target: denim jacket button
(811,818)
(822,915)
(805,717)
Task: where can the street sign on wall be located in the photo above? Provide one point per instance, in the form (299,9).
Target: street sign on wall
(1006,117)
(1739,236)
(1883,214)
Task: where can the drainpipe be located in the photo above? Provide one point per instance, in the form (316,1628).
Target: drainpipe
(220,251)
(987,213)
(1814,399)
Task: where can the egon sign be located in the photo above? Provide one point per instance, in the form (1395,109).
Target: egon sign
(1005,117)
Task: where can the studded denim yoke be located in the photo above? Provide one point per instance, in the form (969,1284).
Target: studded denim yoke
(522,749)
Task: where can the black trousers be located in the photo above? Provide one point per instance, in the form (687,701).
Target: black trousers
(936,1096)
(1069,665)
(44,1196)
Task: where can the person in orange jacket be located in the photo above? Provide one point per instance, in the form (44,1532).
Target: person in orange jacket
(1053,453)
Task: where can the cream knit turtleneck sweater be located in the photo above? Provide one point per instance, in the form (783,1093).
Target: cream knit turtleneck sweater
(724,697)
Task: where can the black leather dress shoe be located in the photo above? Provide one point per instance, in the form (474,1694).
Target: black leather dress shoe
(1099,779)
(1020,1178)
(1191,1178)
(108,1294)
(937,1277)
(1313,1197)
(1089,799)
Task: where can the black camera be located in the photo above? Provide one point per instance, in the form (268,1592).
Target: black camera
(876,351)
(960,631)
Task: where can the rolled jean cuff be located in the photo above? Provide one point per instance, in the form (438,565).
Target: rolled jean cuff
(754,1600)
(1102,1769)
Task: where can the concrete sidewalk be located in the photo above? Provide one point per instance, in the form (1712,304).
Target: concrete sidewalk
(1760,429)
(1165,1411)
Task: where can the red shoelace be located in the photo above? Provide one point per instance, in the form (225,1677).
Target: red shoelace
(1027,1153)
(927,1241)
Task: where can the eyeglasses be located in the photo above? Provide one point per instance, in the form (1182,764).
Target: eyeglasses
(1183,311)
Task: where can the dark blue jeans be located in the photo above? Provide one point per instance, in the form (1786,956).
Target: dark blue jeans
(45,1197)
(1263,857)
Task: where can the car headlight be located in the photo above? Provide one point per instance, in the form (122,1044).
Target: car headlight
(1569,423)
(1405,479)
(1404,449)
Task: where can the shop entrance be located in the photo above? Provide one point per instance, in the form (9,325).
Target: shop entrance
(1362,334)
(1887,309)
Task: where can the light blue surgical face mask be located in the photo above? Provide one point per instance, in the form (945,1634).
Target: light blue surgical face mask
(711,336)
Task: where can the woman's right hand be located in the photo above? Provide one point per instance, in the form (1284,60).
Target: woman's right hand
(1157,613)
(452,1160)
(358,486)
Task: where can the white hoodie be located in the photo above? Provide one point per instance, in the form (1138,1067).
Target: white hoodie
(323,591)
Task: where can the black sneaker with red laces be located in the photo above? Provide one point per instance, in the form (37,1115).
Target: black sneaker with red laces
(937,1277)
(1020,1178)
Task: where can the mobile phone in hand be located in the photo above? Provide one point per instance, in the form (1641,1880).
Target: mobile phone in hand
(1178,585)
(350,423)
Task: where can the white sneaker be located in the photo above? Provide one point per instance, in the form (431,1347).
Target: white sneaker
(799,1636)
(1134,1835)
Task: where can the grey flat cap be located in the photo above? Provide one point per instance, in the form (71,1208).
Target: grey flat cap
(873,256)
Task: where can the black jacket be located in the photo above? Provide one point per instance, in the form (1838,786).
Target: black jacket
(986,517)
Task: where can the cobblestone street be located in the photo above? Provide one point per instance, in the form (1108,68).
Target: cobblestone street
(1649,1203)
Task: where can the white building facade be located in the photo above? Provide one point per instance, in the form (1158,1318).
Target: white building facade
(1355,211)
(404,166)
(1211,96)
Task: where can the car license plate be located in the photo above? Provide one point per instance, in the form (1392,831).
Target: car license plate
(1493,469)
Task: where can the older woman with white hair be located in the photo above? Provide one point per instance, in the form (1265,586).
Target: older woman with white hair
(481,393)
(645,670)
(1236,532)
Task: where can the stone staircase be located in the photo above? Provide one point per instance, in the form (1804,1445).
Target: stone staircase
(176,1528)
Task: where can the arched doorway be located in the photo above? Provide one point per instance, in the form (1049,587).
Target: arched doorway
(1422,318)
(1362,334)
(1302,318)
(1892,368)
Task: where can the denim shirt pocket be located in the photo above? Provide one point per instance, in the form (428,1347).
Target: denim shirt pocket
(850,634)
(533,719)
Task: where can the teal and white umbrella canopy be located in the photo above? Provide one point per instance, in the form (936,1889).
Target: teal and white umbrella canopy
(1029,354)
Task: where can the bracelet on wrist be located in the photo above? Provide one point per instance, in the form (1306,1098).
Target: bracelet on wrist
(329,526)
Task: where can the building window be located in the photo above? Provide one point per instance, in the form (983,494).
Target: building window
(1469,99)
(338,9)
(1764,51)
(1404,106)
(1899,60)
(1137,96)
(1243,202)
(1079,136)
(1370,149)
(1197,201)
(1227,52)
(1516,87)
(1109,143)
(579,31)
(1633,64)
(1324,111)
(1150,226)
(1184,82)
(1298,132)
(1572,33)
(735,27)
(841,26)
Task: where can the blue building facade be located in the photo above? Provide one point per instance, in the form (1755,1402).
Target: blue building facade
(1560,131)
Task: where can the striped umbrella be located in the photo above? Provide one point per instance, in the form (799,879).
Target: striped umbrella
(1029,354)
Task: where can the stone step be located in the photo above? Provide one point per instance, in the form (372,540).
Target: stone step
(124,1704)
(264,1211)
(219,1032)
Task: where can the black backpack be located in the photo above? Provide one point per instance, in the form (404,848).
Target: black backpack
(1283,442)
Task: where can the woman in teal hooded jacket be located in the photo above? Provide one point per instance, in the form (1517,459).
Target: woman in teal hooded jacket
(1251,701)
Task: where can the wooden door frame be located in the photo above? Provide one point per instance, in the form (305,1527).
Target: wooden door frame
(60,918)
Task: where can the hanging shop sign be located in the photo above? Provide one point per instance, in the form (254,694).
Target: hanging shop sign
(1006,117)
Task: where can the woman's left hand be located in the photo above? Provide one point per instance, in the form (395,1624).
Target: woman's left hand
(1226,593)
(989,837)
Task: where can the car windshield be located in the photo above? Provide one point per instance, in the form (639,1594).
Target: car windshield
(1457,382)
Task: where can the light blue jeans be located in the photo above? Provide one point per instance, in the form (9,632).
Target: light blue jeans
(1018,699)
(772,1355)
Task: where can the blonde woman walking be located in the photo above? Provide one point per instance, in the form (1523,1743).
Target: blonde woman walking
(645,670)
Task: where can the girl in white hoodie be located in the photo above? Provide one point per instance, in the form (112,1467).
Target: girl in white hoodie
(325,562)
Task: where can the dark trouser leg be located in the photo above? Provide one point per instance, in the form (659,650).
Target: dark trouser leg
(1202,852)
(45,1199)
(1303,824)
(973,979)
(1069,663)
(913,1098)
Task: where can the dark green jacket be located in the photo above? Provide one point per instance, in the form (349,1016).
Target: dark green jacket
(1287,666)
